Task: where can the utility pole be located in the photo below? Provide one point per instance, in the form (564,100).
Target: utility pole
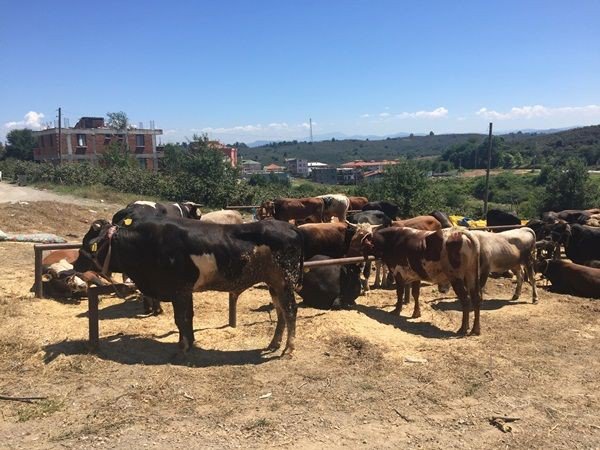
(311,134)
(59,135)
(487,173)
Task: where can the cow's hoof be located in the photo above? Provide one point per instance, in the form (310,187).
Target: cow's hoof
(534,301)
(462,331)
(184,344)
(273,346)
(416,315)
(396,312)
(515,297)
(475,332)
(287,353)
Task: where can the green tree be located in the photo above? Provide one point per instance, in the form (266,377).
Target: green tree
(2,151)
(20,144)
(118,120)
(115,155)
(567,186)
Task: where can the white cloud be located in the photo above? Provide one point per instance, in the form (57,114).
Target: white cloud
(435,114)
(270,131)
(536,111)
(31,120)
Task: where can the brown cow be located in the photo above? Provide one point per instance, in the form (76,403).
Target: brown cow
(287,209)
(224,216)
(439,256)
(329,239)
(570,278)
(357,203)
(425,223)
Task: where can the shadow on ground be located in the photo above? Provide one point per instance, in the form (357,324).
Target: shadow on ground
(127,349)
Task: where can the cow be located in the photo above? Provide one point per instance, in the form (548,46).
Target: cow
(370,218)
(442,218)
(357,203)
(292,209)
(61,280)
(391,210)
(583,244)
(497,217)
(570,278)
(335,205)
(329,239)
(438,256)
(144,208)
(330,286)
(508,250)
(172,258)
(224,216)
(425,223)
(569,215)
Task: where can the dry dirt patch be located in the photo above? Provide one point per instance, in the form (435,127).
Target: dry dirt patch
(358,378)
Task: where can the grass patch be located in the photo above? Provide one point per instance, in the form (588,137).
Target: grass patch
(43,408)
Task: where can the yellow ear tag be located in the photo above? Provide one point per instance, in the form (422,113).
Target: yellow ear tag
(127,222)
(94,247)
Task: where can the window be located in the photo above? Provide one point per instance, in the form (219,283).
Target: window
(139,140)
(107,139)
(49,140)
(142,163)
(81,140)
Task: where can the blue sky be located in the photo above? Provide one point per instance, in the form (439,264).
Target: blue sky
(246,71)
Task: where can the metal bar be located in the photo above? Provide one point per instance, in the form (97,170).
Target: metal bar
(38,250)
(337,261)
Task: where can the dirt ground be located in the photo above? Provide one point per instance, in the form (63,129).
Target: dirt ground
(359,378)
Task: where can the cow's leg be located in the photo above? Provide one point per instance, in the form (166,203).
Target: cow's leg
(182,305)
(531,276)
(289,308)
(406,294)
(519,274)
(276,341)
(378,267)
(475,296)
(460,290)
(416,290)
(483,277)
(399,294)
(366,274)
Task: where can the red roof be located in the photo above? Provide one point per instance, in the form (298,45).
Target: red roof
(358,164)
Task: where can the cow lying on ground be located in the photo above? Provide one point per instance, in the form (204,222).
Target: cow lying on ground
(330,286)
(508,250)
(292,209)
(436,256)
(172,258)
(225,216)
(569,278)
(335,205)
(61,280)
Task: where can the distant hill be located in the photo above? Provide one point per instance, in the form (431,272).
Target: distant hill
(336,151)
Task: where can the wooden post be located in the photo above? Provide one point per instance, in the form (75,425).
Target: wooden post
(487,173)
(94,336)
(233,298)
(37,281)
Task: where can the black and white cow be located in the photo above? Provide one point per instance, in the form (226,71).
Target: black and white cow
(143,208)
(330,286)
(169,259)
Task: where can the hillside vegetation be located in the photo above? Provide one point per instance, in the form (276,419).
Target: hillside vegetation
(532,148)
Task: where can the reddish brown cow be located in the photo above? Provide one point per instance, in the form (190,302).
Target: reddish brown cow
(426,223)
(55,256)
(329,239)
(357,203)
(439,256)
(570,278)
(287,209)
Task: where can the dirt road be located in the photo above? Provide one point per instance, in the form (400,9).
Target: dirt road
(11,193)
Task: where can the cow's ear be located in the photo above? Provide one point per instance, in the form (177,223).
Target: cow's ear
(46,277)
(197,213)
(96,226)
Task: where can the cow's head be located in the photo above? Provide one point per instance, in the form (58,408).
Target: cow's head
(95,242)
(192,209)
(362,241)
(266,209)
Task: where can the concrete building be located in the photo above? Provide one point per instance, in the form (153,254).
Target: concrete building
(324,175)
(297,167)
(250,167)
(347,175)
(90,137)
